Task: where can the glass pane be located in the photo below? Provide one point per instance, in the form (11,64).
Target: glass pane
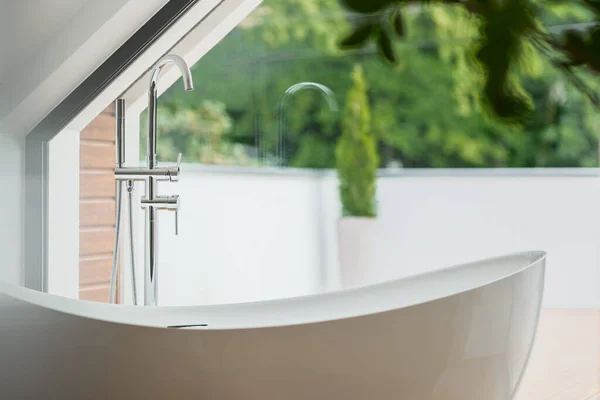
(426,111)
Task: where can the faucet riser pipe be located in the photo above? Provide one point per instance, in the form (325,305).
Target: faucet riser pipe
(151,249)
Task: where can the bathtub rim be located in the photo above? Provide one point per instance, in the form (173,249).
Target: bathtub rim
(169,317)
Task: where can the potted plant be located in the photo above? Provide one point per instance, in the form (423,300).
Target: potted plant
(356,163)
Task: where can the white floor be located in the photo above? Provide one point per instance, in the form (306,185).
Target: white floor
(565,362)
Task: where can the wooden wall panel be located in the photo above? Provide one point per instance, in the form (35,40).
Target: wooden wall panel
(97,185)
(95,242)
(96,206)
(95,271)
(101,129)
(97,155)
(95,293)
(97,212)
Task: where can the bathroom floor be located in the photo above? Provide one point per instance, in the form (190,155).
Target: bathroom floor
(565,362)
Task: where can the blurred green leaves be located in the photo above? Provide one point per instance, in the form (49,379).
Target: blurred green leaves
(429,110)
(384,45)
(366,6)
(359,36)
(198,133)
(504,29)
(398,23)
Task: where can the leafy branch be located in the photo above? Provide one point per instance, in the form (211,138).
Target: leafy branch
(504,29)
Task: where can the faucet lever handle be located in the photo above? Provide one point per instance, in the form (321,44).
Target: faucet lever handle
(173,172)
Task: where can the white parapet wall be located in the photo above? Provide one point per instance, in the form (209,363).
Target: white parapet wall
(428,222)
(248,235)
(242,238)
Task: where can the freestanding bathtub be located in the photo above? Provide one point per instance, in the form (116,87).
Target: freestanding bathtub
(461,333)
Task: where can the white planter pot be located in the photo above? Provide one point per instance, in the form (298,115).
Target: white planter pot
(357,240)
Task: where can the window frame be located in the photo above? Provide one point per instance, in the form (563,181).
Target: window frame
(37,141)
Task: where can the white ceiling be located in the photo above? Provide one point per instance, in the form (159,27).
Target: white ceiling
(27,26)
(48,47)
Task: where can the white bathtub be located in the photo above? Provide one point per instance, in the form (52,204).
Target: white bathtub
(461,333)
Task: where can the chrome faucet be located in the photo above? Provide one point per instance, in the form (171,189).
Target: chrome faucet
(282,109)
(152,202)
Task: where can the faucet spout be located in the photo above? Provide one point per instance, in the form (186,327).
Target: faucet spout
(188,85)
(327,93)
(282,113)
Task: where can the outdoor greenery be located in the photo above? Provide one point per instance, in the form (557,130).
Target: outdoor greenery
(428,109)
(198,132)
(356,153)
(508,34)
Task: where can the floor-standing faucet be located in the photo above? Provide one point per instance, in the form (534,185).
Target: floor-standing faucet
(152,174)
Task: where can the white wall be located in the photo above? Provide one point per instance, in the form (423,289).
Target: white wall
(34,23)
(248,237)
(432,222)
(63,220)
(11,210)
(63,217)
(56,58)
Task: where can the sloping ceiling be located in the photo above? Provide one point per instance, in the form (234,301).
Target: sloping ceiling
(27,26)
(48,47)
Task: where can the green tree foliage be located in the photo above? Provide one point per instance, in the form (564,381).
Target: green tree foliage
(198,133)
(508,31)
(356,153)
(282,22)
(428,109)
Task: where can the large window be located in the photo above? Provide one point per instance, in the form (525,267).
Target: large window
(426,112)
